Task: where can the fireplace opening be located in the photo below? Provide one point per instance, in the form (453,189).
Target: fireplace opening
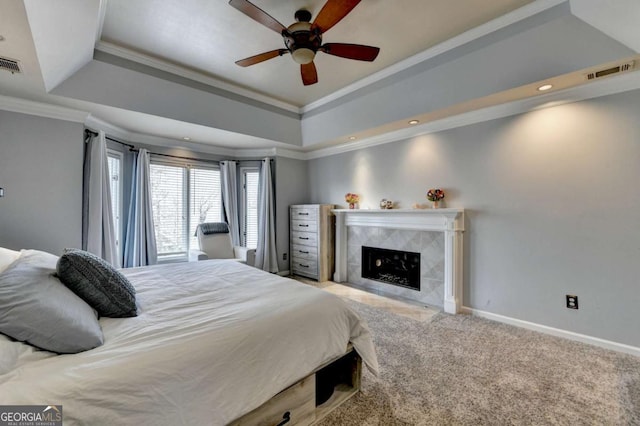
(401,268)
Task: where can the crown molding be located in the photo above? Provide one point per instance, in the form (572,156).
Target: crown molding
(42,109)
(288,153)
(152,62)
(270,152)
(97,124)
(607,86)
(517,15)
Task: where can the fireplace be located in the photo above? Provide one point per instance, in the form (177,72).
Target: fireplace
(434,234)
(401,268)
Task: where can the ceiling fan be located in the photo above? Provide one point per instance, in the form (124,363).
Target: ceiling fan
(303,39)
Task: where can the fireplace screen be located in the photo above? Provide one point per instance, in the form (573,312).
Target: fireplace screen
(400,268)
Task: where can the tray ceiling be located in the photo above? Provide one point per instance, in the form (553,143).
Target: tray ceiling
(209,36)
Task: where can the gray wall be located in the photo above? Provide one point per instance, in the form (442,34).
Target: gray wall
(552,208)
(292,187)
(41,172)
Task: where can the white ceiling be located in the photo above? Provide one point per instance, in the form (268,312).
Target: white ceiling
(220,104)
(210,35)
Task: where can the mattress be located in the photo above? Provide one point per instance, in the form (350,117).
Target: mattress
(213,340)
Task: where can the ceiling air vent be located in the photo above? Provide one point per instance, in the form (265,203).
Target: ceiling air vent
(627,66)
(9,65)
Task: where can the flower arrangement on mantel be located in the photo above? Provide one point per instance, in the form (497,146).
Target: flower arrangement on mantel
(435,196)
(352,199)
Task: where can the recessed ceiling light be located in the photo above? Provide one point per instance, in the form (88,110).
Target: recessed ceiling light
(412,122)
(352,138)
(545,87)
(186,138)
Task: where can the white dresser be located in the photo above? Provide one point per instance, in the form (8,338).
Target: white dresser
(312,240)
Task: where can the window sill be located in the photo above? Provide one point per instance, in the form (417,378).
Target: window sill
(173,258)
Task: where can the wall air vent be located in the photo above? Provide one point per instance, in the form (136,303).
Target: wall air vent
(9,65)
(627,66)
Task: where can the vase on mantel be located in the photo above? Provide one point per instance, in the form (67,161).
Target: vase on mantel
(352,206)
(435,204)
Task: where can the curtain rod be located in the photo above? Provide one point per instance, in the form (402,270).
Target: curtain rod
(88,132)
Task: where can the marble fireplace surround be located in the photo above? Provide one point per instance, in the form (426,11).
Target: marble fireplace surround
(450,221)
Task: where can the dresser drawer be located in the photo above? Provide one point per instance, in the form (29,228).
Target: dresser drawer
(304,225)
(304,213)
(304,266)
(298,403)
(304,252)
(304,238)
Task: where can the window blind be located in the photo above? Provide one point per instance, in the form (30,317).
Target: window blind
(168,197)
(205,199)
(251,210)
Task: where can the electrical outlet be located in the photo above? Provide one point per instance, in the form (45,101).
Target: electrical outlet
(284,256)
(572,301)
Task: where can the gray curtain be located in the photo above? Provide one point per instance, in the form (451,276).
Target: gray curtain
(98,233)
(229,183)
(266,256)
(140,240)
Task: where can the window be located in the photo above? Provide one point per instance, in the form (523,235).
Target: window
(114,159)
(250,181)
(182,197)
(205,199)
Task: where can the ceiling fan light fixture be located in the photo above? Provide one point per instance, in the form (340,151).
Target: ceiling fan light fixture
(299,26)
(303,39)
(303,55)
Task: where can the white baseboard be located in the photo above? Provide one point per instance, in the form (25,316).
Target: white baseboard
(284,273)
(607,344)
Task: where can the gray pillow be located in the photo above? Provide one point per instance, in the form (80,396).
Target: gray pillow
(35,307)
(97,283)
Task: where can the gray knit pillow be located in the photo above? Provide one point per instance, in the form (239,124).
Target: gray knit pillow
(97,283)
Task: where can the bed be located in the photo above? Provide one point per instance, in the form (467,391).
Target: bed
(214,342)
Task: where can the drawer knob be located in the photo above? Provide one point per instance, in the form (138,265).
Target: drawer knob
(286,417)
(304,238)
(303,214)
(304,252)
(304,226)
(304,266)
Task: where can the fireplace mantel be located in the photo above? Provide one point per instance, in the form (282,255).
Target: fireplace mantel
(449,220)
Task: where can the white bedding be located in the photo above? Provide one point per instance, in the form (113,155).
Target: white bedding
(213,340)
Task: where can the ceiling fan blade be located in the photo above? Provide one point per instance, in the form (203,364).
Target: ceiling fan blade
(309,73)
(332,12)
(255,13)
(351,51)
(256,59)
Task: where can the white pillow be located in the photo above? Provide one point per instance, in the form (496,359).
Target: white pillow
(7,257)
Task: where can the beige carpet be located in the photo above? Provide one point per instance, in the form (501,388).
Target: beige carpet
(463,370)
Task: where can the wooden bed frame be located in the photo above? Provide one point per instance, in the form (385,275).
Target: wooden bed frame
(300,404)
